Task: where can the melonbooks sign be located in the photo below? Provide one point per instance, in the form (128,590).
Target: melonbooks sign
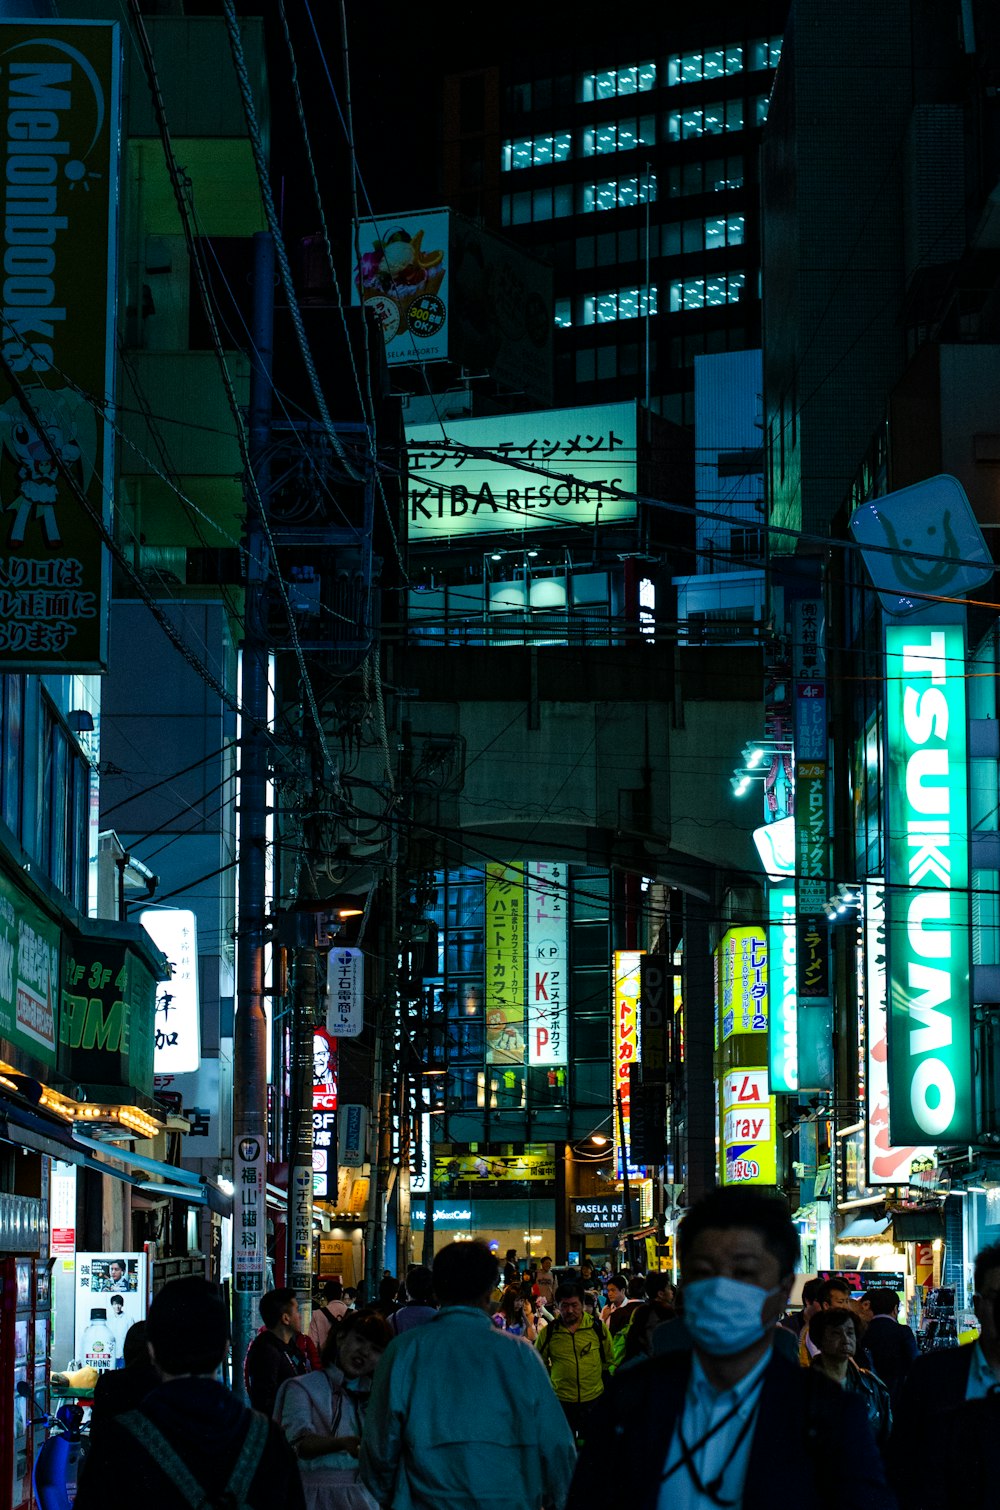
(59,86)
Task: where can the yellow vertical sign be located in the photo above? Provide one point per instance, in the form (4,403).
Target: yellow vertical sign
(504,961)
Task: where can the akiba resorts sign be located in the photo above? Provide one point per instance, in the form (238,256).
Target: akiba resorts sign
(927,898)
(511,473)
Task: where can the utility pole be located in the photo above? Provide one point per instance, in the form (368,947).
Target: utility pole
(306,995)
(250,1031)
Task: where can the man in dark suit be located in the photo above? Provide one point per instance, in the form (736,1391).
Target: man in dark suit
(891,1347)
(729,1421)
(939,1382)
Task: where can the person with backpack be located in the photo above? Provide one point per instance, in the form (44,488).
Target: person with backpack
(576,1350)
(190,1445)
(333,1309)
(322,1414)
(729,1420)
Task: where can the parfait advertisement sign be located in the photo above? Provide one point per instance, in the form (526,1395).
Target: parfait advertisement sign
(59,82)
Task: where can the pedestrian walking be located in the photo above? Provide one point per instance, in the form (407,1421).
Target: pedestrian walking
(834,1333)
(891,1347)
(333,1309)
(418,1307)
(938,1383)
(275,1354)
(190,1443)
(730,1422)
(513,1315)
(576,1350)
(616,1293)
(545,1282)
(458,1416)
(322,1414)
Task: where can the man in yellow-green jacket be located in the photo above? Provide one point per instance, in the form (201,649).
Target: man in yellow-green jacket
(576,1350)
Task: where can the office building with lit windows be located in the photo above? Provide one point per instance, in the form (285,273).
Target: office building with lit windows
(631,166)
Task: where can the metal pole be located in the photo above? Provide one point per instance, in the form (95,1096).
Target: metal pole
(306,1000)
(648,285)
(626,1186)
(250,1032)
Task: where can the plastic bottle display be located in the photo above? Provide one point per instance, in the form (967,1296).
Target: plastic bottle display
(98,1343)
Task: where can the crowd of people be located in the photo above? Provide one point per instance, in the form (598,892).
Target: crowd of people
(515,1387)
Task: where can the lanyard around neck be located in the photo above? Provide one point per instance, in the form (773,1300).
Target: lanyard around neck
(713,1489)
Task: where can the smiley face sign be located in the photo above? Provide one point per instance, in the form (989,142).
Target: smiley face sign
(921,544)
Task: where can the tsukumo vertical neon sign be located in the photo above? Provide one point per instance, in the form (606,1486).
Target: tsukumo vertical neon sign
(927,898)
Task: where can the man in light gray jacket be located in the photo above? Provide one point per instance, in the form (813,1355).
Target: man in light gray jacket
(461,1414)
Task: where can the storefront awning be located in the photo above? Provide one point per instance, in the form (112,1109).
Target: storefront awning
(865,1226)
(32,1129)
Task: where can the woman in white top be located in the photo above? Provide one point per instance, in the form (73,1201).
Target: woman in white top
(322,1414)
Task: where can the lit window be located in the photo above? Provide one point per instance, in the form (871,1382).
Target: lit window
(611,82)
(617,193)
(760,109)
(765,53)
(709,120)
(699,67)
(701,293)
(715,233)
(563,313)
(617,136)
(536,151)
(617,304)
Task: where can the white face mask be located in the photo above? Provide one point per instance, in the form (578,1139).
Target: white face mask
(724,1315)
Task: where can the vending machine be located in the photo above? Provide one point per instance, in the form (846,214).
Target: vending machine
(25,1346)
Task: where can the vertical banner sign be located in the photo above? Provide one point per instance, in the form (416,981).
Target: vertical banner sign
(249,1214)
(927,897)
(504,961)
(784,1025)
(177,1037)
(345,986)
(547,962)
(886,1165)
(812,846)
(29,975)
(809,677)
(749,1156)
(656,985)
(300,1217)
(742,982)
(324,1071)
(60,89)
(625,1047)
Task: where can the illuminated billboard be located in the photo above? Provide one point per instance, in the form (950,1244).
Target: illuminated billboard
(749,1155)
(548,962)
(927,898)
(887,1164)
(783,994)
(625,1048)
(177,1044)
(402,278)
(61,92)
(742,1005)
(503,953)
(513,473)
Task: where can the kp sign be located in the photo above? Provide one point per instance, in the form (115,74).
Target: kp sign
(927,898)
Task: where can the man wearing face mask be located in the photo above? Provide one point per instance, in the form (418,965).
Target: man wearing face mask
(731,1424)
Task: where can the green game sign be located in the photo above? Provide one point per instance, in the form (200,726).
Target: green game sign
(927,900)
